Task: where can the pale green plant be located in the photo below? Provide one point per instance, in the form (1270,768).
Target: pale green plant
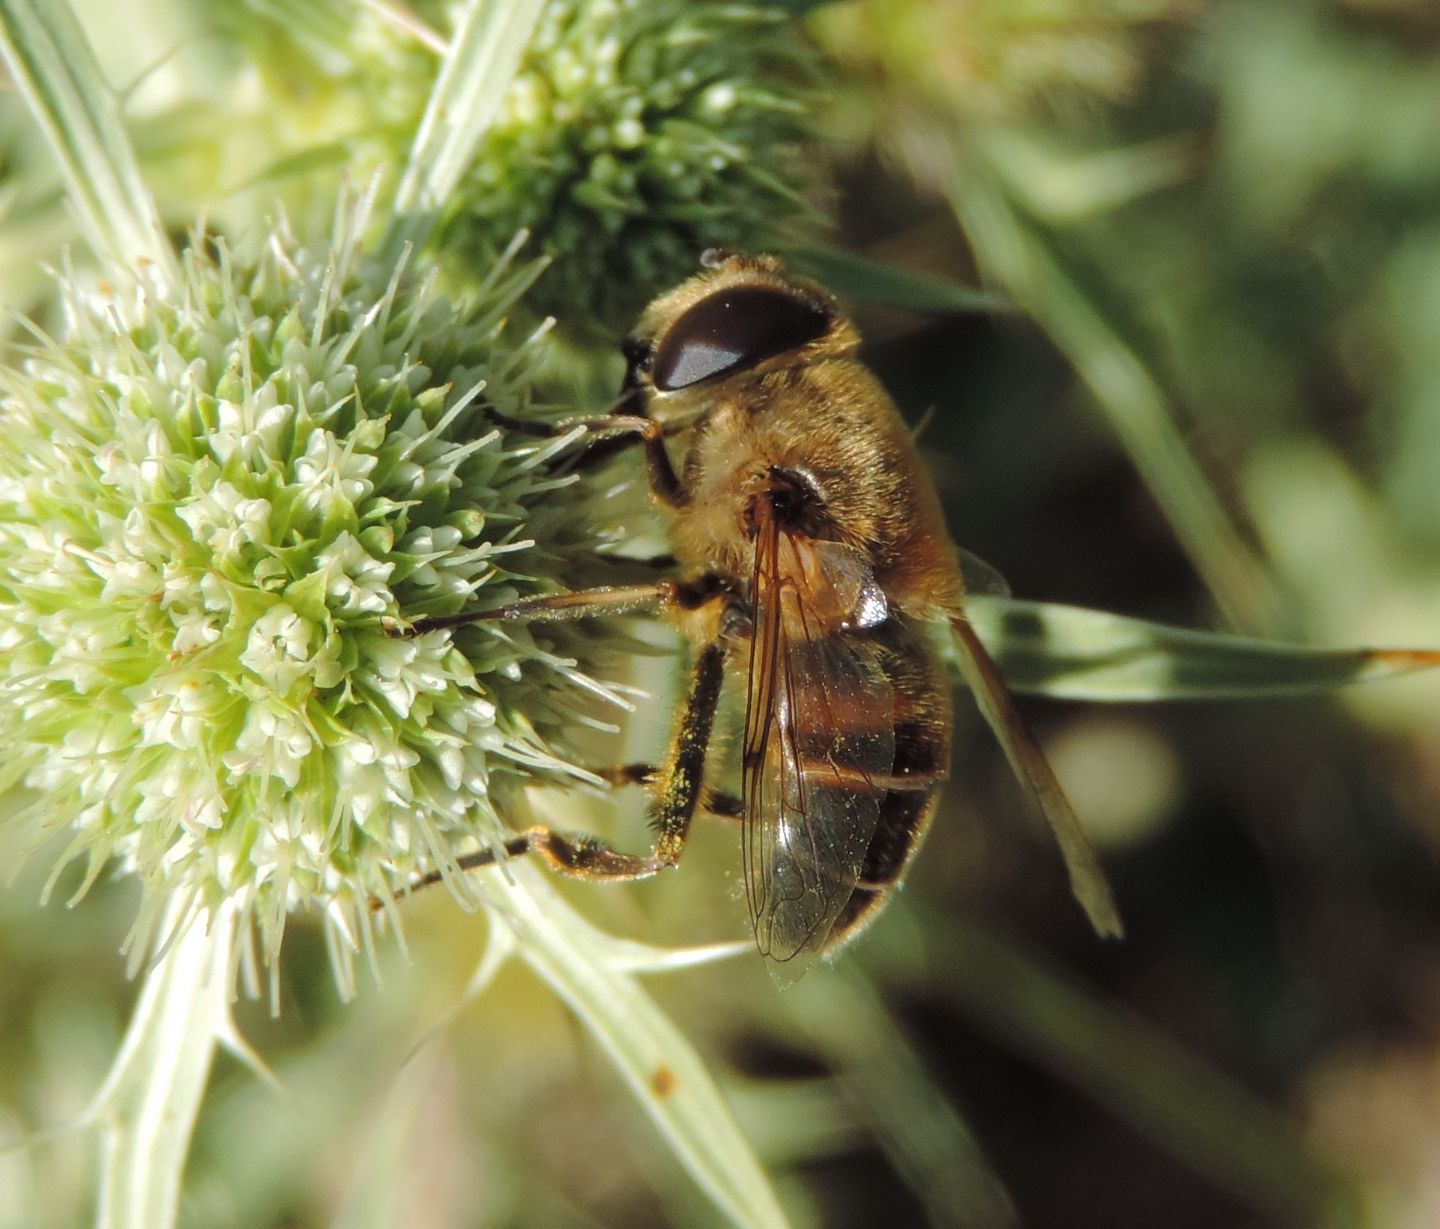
(237,461)
(216,486)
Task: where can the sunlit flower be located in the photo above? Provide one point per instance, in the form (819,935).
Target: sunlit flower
(209,504)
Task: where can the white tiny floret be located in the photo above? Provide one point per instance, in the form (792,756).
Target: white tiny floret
(278,649)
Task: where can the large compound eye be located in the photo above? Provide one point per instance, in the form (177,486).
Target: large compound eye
(732,330)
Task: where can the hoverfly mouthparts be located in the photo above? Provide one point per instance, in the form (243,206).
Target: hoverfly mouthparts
(732,329)
(639,354)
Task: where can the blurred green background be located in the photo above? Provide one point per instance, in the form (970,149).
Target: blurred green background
(1214,401)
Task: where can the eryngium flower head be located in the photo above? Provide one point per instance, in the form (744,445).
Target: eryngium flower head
(209,501)
(636,134)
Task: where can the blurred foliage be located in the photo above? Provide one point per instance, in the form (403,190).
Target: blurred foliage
(1239,201)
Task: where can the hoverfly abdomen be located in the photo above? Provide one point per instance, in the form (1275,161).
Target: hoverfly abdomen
(847,742)
(922,722)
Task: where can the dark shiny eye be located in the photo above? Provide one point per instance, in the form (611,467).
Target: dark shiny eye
(732,330)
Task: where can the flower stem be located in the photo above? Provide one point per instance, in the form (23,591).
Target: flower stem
(584,967)
(147,1108)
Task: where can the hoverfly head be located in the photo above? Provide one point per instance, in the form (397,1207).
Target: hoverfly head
(744,315)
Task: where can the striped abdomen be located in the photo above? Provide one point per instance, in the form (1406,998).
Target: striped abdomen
(922,717)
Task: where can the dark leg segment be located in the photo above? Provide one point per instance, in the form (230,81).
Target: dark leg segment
(665,484)
(713,802)
(681,781)
(581,857)
(610,433)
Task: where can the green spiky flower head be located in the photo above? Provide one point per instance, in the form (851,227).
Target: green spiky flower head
(636,134)
(210,503)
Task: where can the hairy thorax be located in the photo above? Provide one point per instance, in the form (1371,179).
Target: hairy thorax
(808,448)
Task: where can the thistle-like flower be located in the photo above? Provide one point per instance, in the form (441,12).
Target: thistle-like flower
(209,502)
(637,133)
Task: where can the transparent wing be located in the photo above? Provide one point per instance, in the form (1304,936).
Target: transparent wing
(981,577)
(1087,879)
(819,744)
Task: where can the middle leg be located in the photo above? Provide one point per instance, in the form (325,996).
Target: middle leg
(668,594)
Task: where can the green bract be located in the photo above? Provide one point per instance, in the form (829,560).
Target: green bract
(207,507)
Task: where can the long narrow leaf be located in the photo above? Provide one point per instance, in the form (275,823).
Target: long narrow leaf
(654,1057)
(147,1109)
(1077,654)
(55,70)
(1018,260)
(484,55)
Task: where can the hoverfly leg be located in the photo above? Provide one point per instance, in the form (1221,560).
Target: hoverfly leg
(715,803)
(724,806)
(665,483)
(678,783)
(579,857)
(521,426)
(627,774)
(667,594)
(608,435)
(553,607)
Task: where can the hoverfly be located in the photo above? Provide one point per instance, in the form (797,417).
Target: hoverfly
(812,554)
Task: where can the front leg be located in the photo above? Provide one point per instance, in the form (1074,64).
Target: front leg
(665,483)
(608,434)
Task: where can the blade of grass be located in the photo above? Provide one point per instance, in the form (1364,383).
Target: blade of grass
(55,70)
(584,966)
(1043,648)
(483,57)
(1018,261)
